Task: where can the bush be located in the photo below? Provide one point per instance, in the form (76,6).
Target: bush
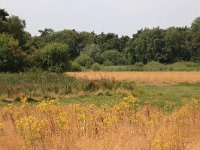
(107,63)
(96,67)
(75,67)
(94,52)
(114,56)
(155,66)
(55,57)
(139,66)
(84,60)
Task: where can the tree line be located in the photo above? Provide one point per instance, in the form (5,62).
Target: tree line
(68,50)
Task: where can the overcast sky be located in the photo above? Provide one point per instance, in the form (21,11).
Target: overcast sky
(123,17)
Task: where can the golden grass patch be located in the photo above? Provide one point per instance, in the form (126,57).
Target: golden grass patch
(142,77)
(130,124)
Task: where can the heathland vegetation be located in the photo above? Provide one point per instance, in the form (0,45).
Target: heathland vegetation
(69,50)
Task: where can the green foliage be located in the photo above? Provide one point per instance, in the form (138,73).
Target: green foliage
(195,32)
(45,31)
(75,66)
(14,26)
(139,66)
(84,60)
(11,57)
(55,57)
(166,46)
(39,85)
(155,66)
(114,57)
(96,67)
(67,37)
(94,52)
(107,63)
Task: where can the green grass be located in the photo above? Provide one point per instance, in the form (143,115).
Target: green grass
(106,97)
(158,94)
(155,66)
(41,85)
(154,94)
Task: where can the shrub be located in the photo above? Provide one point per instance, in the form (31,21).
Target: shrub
(96,67)
(139,66)
(75,67)
(154,65)
(107,63)
(114,56)
(94,52)
(55,57)
(84,60)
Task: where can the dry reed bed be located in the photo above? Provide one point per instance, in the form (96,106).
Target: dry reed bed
(129,125)
(142,77)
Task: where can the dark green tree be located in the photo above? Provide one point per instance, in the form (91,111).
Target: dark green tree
(195,42)
(115,57)
(11,57)
(45,31)
(94,51)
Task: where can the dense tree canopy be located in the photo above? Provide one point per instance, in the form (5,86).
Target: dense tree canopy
(11,57)
(195,44)
(55,51)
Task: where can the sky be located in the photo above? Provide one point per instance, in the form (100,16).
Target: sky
(123,17)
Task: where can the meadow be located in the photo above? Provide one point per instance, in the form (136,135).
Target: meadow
(40,111)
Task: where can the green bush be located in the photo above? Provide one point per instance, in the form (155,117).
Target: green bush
(94,52)
(75,67)
(139,66)
(55,57)
(84,60)
(154,66)
(129,85)
(115,57)
(107,63)
(96,67)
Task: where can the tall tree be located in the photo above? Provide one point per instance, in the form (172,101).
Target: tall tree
(195,43)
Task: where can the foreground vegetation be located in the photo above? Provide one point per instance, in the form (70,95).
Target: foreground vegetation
(129,124)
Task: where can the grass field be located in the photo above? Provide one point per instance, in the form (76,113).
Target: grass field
(158,111)
(142,77)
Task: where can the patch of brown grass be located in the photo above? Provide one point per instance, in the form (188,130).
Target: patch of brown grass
(142,77)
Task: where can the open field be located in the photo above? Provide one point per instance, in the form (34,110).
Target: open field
(142,77)
(56,111)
